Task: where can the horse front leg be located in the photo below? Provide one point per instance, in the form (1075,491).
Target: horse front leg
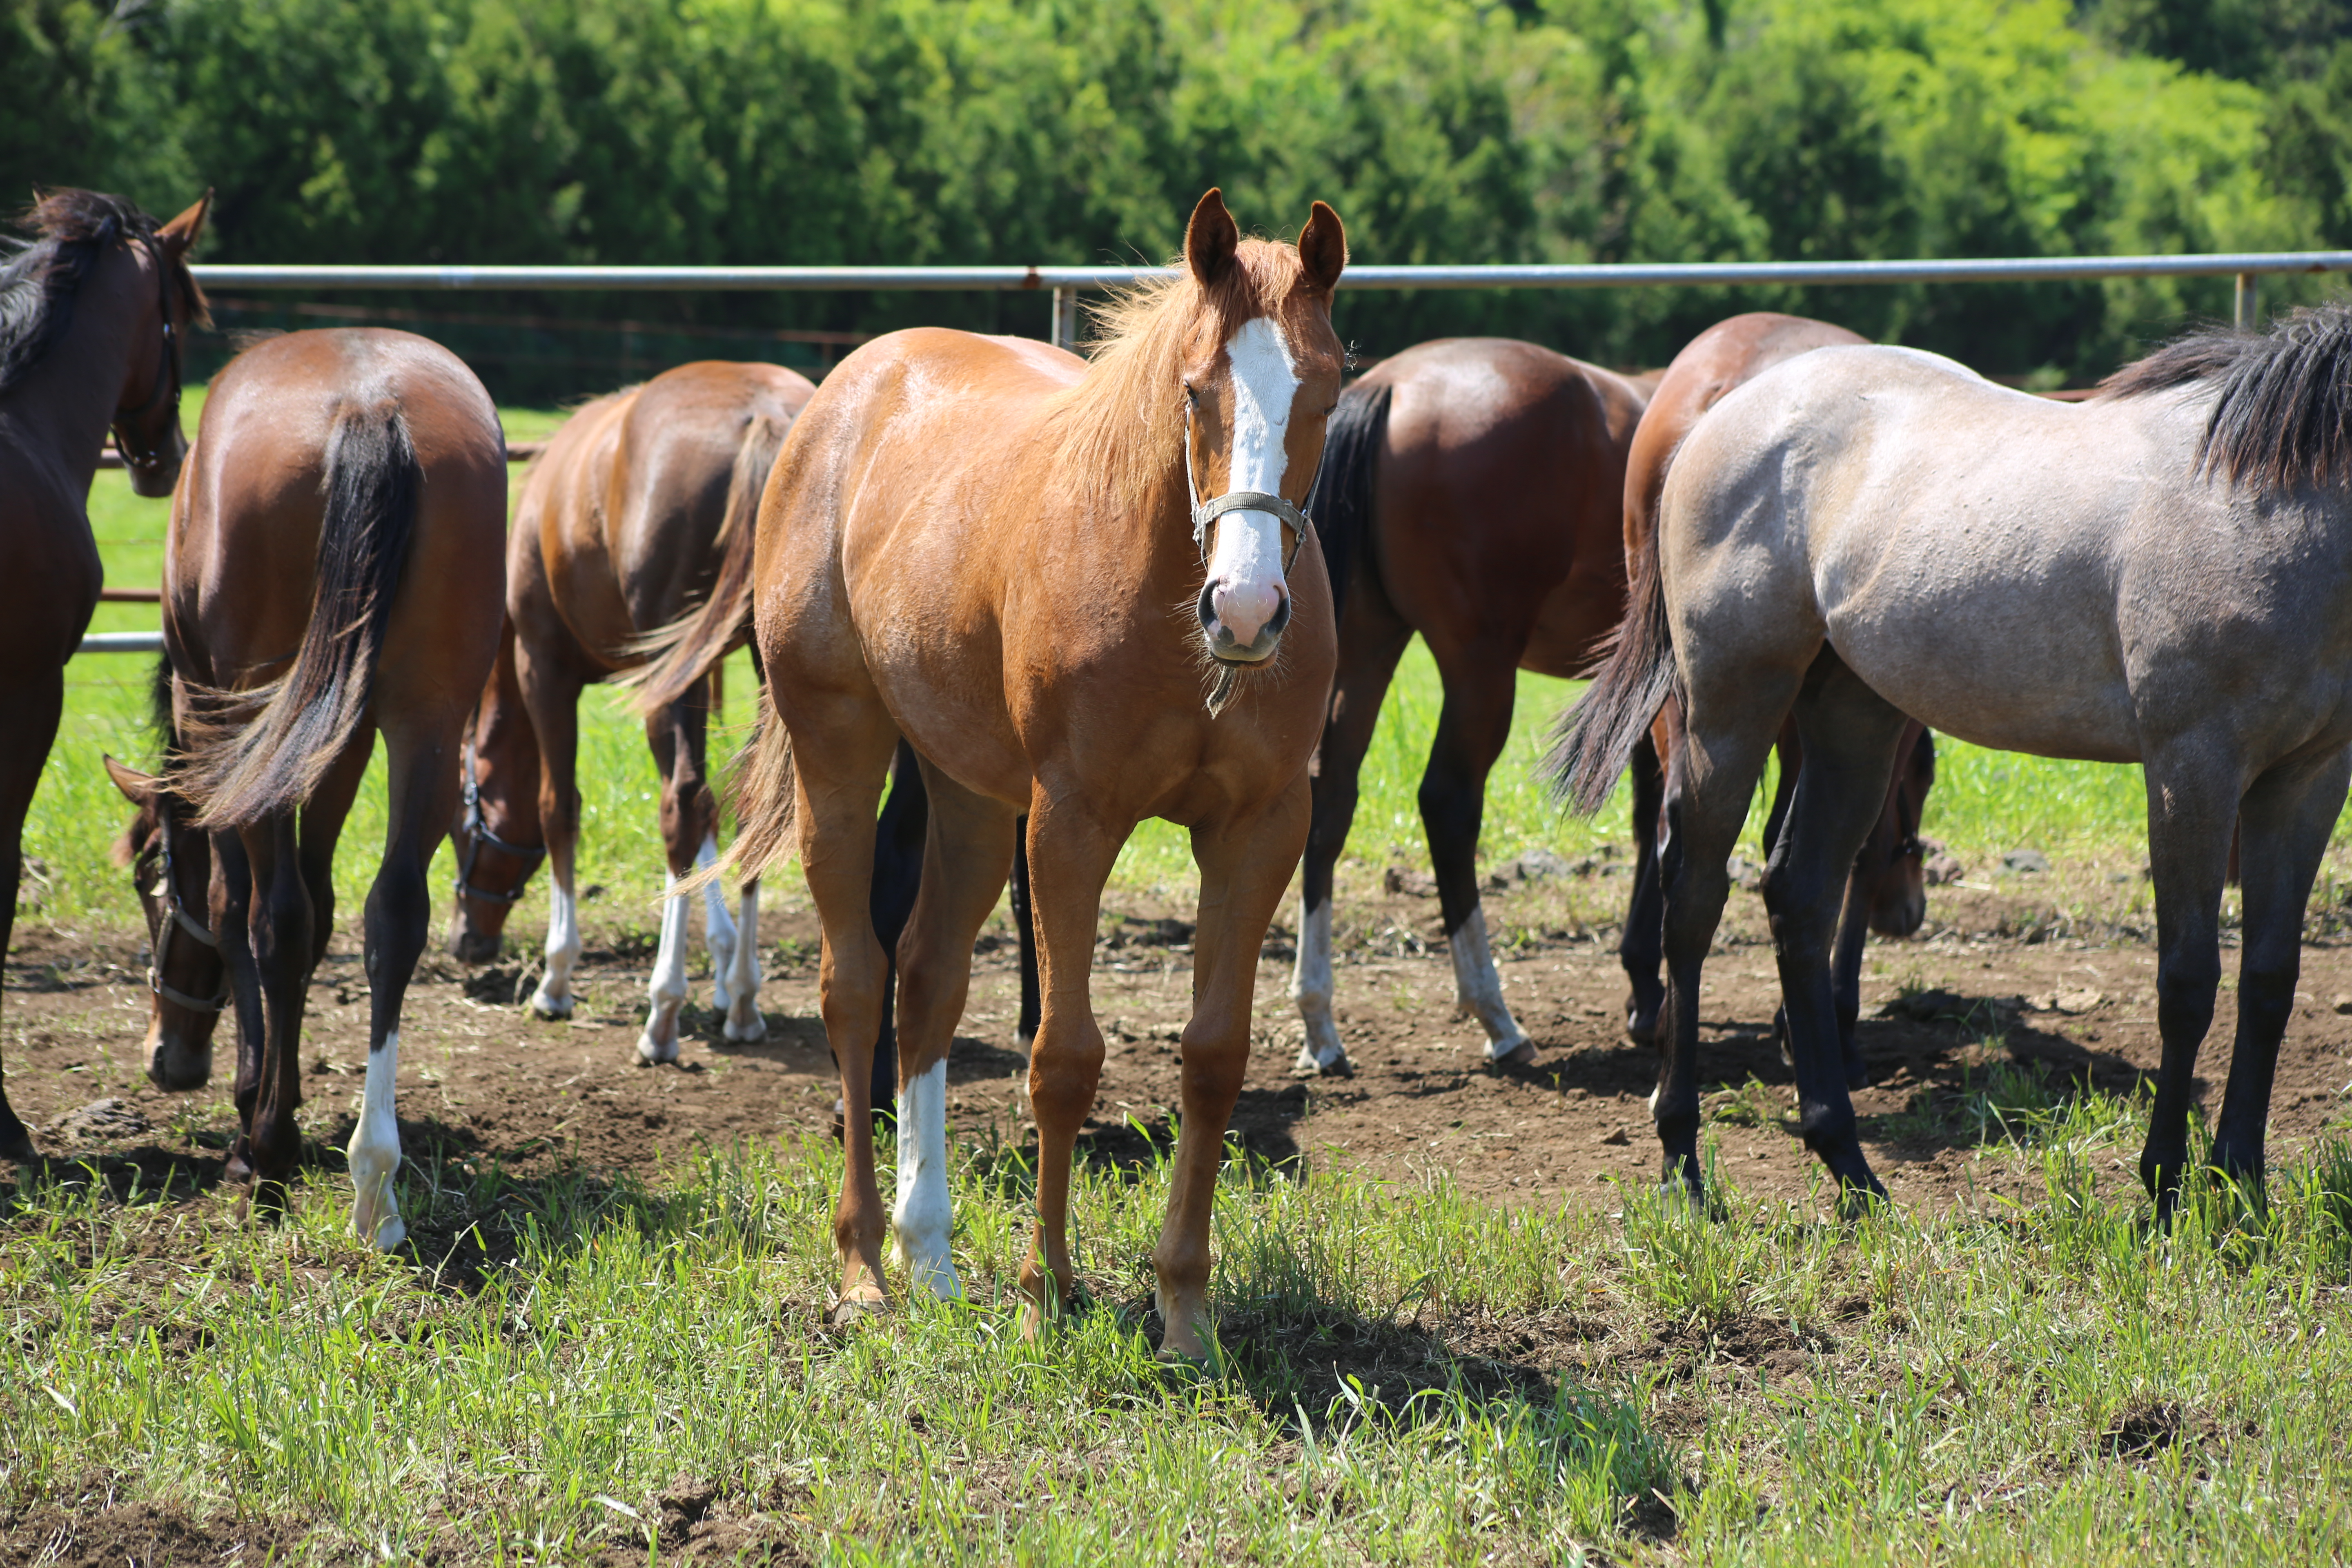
(2192,813)
(1244,867)
(1639,951)
(685,813)
(282,940)
(1472,727)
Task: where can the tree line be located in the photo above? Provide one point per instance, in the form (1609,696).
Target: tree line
(914,131)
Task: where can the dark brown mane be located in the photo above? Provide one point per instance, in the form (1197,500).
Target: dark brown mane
(37,284)
(2283,417)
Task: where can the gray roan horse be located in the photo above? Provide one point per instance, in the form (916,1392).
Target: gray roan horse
(2162,576)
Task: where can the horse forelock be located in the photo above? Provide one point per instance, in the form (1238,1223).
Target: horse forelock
(72,229)
(1121,426)
(2281,412)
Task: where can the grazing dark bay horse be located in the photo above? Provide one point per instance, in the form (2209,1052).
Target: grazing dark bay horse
(1470,492)
(624,520)
(2162,575)
(332,569)
(1079,590)
(1887,892)
(91,314)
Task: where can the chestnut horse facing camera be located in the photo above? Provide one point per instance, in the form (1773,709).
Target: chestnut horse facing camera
(92,315)
(332,569)
(1083,591)
(1470,492)
(625,522)
(1887,892)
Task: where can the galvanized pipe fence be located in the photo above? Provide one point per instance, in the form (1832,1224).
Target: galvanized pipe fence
(1062,285)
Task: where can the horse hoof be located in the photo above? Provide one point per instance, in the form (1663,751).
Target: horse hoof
(1856,1200)
(859,1306)
(1309,1065)
(1519,1056)
(655,1053)
(554,1009)
(747,1033)
(16,1144)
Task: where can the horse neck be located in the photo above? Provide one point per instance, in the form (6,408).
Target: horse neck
(64,407)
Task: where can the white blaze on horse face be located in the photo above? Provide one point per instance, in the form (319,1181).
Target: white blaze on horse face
(924,1217)
(1478,989)
(718,930)
(667,988)
(552,998)
(375,1151)
(1246,586)
(1310,987)
(744,1023)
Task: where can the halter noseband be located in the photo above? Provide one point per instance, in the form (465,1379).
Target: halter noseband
(478,832)
(167,365)
(1205,513)
(178,918)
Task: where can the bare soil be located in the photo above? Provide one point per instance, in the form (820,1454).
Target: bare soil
(480,1081)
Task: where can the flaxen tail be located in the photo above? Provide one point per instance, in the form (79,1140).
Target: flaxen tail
(679,654)
(1594,740)
(760,791)
(1341,501)
(261,751)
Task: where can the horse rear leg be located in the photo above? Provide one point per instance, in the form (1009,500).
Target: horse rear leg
(688,817)
(280,939)
(2287,817)
(28,717)
(1368,659)
(897,878)
(1070,858)
(1850,734)
(967,853)
(1472,728)
(551,693)
(1638,950)
(1243,866)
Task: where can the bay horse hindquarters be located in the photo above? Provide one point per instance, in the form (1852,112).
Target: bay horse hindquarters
(91,314)
(333,570)
(641,508)
(1083,591)
(2168,583)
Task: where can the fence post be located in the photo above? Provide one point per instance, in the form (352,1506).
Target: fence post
(2248,300)
(1065,318)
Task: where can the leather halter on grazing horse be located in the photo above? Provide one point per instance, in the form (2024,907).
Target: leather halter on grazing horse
(176,919)
(476,836)
(168,368)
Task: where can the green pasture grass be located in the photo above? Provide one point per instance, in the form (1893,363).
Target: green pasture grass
(1408,1375)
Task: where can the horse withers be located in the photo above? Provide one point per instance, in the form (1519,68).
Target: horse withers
(1083,591)
(332,569)
(1469,492)
(2159,576)
(1887,892)
(639,507)
(92,313)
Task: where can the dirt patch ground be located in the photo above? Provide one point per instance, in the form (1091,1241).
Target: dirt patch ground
(479,1079)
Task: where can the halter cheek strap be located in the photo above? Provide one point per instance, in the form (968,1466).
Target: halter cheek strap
(177,918)
(478,834)
(167,367)
(1205,513)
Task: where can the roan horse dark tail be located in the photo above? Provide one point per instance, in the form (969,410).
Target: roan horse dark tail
(1341,500)
(677,655)
(236,773)
(1594,740)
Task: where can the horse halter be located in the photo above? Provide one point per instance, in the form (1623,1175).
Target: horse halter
(176,917)
(478,832)
(1205,513)
(167,365)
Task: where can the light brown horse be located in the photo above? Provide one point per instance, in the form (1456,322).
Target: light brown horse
(92,315)
(1887,892)
(624,520)
(332,569)
(1037,569)
(1470,492)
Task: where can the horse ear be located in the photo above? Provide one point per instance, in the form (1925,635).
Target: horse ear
(140,789)
(180,234)
(1210,238)
(1323,246)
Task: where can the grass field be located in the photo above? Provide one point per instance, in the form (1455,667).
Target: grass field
(593,1365)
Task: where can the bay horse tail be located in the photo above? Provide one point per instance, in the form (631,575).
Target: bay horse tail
(1594,740)
(1341,501)
(679,654)
(236,773)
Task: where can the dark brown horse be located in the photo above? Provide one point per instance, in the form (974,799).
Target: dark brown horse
(1471,491)
(623,521)
(92,315)
(332,569)
(1887,892)
(1035,570)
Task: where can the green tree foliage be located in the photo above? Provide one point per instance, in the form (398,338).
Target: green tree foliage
(1076,131)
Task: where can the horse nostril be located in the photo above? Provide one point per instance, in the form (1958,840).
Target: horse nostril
(1279,619)
(1207,608)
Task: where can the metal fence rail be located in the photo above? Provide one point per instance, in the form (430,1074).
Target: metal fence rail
(2249,268)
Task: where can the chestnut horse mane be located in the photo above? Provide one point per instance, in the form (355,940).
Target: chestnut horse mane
(1122,425)
(38,283)
(2282,418)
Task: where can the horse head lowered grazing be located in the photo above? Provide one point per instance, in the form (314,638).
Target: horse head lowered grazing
(1035,570)
(2162,576)
(92,315)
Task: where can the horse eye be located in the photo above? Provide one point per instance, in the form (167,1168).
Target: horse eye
(1192,395)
